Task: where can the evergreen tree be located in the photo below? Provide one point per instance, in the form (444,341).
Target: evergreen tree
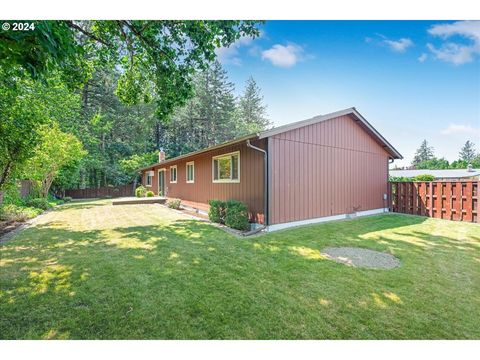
(252,111)
(467,153)
(209,118)
(423,153)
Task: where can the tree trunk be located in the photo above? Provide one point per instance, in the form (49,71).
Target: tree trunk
(5,173)
(157,134)
(85,97)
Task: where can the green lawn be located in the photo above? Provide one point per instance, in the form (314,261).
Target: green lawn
(95,271)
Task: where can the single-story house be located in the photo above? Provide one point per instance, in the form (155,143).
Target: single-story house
(448,174)
(328,167)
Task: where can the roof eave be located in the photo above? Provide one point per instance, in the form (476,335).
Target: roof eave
(350,111)
(198,152)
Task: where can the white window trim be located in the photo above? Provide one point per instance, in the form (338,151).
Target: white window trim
(223,156)
(146,180)
(193,172)
(176,174)
(164,179)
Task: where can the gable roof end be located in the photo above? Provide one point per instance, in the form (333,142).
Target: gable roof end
(350,111)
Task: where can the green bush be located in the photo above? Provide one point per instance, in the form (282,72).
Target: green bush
(39,203)
(150,194)
(140,191)
(217,211)
(424,177)
(399,178)
(174,203)
(67,199)
(236,215)
(12,212)
(11,195)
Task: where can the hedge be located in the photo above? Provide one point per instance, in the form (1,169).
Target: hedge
(232,213)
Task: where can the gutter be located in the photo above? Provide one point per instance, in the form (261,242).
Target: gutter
(265,185)
(198,152)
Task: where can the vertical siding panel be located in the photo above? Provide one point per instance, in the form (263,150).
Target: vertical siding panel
(346,168)
(249,190)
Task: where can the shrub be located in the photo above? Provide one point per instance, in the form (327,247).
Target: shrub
(424,177)
(399,178)
(217,211)
(12,212)
(11,195)
(67,199)
(236,215)
(174,203)
(150,194)
(39,203)
(140,191)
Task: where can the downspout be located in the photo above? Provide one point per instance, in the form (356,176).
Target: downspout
(389,194)
(265,187)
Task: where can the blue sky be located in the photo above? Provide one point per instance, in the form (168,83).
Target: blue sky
(412,80)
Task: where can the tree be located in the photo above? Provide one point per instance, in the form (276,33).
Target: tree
(207,119)
(54,151)
(434,164)
(423,153)
(459,164)
(24,105)
(131,165)
(157,58)
(212,115)
(467,153)
(252,111)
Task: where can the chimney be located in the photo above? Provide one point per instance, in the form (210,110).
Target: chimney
(469,168)
(161,156)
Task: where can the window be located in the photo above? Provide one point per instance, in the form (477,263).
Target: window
(149,178)
(226,168)
(190,172)
(173,174)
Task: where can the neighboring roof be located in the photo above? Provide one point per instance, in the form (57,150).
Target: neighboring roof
(350,111)
(280,129)
(439,174)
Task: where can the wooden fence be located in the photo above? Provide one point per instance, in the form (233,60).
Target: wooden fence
(25,188)
(101,192)
(452,200)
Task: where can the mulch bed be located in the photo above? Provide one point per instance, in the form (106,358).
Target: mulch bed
(7,226)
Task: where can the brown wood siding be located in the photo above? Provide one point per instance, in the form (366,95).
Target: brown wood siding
(249,190)
(329,168)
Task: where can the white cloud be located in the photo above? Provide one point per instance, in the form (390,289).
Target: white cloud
(422,57)
(283,56)
(400,45)
(231,54)
(469,29)
(453,129)
(454,52)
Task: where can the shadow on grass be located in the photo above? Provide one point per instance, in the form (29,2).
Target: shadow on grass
(400,235)
(57,282)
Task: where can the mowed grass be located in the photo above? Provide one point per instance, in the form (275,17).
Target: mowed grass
(95,271)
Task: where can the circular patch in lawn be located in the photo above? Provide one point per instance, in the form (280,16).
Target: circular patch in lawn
(363,258)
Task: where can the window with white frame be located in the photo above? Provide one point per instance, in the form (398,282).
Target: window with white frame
(149,179)
(190,172)
(173,174)
(226,167)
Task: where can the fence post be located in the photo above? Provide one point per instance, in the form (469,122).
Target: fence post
(478,202)
(430,206)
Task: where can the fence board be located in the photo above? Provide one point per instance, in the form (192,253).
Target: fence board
(452,200)
(101,192)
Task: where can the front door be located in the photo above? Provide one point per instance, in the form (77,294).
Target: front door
(161,182)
